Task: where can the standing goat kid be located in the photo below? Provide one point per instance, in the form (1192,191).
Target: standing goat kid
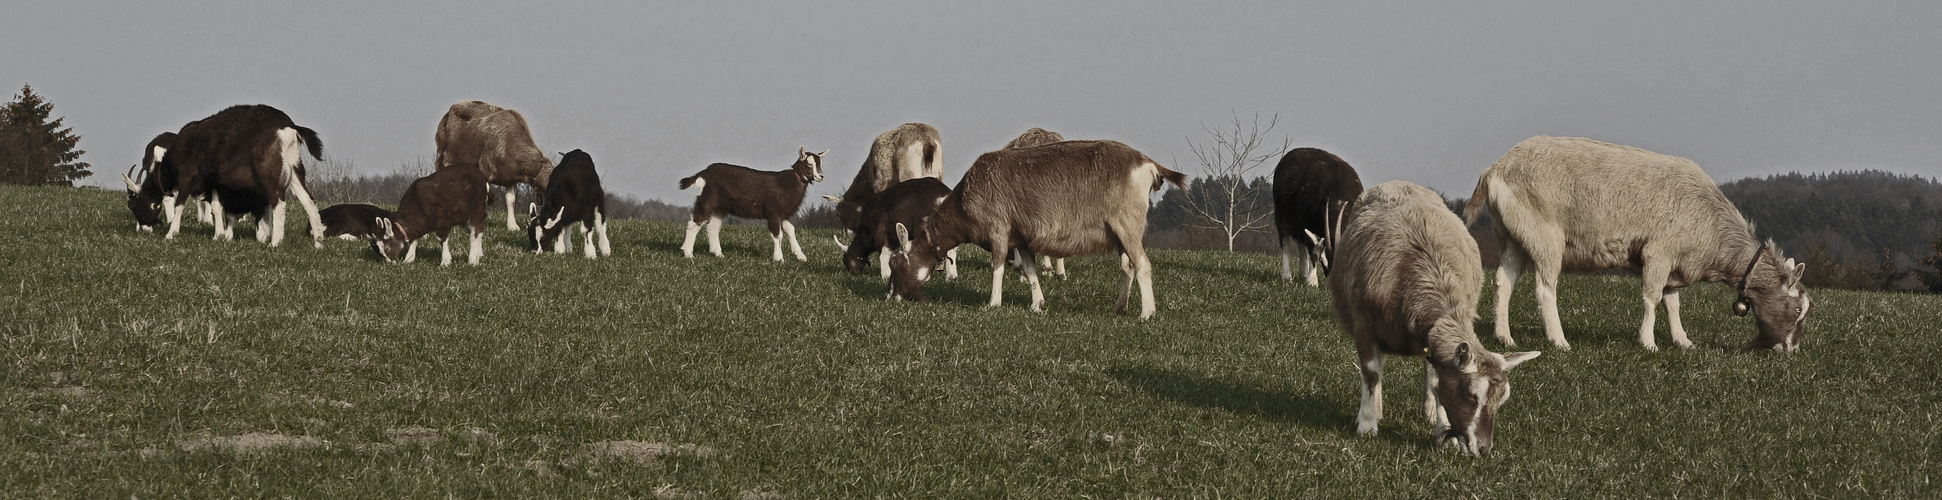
(1405,282)
(748,193)
(573,195)
(433,205)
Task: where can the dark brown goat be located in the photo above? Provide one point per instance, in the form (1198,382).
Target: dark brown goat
(906,203)
(248,156)
(1313,192)
(353,221)
(740,191)
(434,205)
(1063,199)
(573,195)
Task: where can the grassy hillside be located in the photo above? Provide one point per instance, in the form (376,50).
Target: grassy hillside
(142,367)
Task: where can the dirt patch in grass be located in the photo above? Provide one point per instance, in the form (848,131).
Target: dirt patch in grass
(759,494)
(643,452)
(252,442)
(412,435)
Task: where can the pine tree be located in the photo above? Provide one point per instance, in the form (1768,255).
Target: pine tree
(33,150)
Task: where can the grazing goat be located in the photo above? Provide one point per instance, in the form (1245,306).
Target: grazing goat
(496,141)
(573,195)
(1313,192)
(907,203)
(1579,205)
(248,156)
(910,151)
(353,221)
(147,214)
(1405,282)
(434,205)
(1063,199)
(1040,137)
(748,193)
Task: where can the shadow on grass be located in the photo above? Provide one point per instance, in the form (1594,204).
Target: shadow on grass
(1312,410)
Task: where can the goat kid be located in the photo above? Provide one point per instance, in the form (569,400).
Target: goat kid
(434,205)
(725,190)
(573,195)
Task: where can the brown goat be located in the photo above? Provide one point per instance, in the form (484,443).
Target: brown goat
(434,205)
(1040,137)
(1069,198)
(910,151)
(1405,282)
(1574,204)
(496,141)
(740,191)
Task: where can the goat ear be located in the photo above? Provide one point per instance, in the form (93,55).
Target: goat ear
(903,237)
(1462,357)
(556,218)
(386,223)
(1517,358)
(833,198)
(532,209)
(800,151)
(1800,271)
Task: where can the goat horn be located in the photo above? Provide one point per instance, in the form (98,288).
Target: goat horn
(838,242)
(131,183)
(556,218)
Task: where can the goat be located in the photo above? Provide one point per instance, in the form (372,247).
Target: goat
(905,203)
(725,190)
(148,215)
(910,151)
(496,141)
(353,221)
(1575,204)
(248,156)
(1040,137)
(1063,199)
(1405,282)
(572,195)
(434,205)
(1313,190)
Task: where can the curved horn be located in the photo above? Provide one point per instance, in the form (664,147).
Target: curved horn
(132,186)
(839,243)
(556,218)
(825,151)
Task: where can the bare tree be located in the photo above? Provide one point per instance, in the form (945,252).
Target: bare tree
(1230,198)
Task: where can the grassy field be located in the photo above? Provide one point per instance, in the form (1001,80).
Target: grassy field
(142,367)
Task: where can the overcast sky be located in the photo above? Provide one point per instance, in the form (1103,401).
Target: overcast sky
(1430,92)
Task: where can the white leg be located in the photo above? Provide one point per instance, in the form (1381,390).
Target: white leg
(1061,269)
(444,251)
(1671,299)
(1030,270)
(951,264)
(1508,268)
(883,262)
(588,247)
(512,224)
(1547,302)
(794,246)
(1645,329)
(169,210)
(715,235)
(1432,410)
(998,267)
(1144,268)
(559,242)
(688,244)
(477,253)
(1126,283)
(276,223)
(203,213)
(1309,264)
(411,249)
(777,239)
(600,226)
(1371,411)
(302,195)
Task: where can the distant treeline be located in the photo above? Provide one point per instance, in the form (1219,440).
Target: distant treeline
(1857,230)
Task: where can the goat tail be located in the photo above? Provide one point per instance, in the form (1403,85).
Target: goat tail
(310,140)
(687,182)
(1473,211)
(1178,179)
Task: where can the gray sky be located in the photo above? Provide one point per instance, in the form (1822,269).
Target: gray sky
(1430,92)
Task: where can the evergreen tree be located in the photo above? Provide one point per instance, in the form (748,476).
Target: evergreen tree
(34,150)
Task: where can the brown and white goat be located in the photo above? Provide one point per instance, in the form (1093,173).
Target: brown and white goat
(496,141)
(434,205)
(1040,137)
(906,203)
(910,151)
(1063,199)
(248,157)
(1405,282)
(740,191)
(1313,191)
(1574,204)
(573,195)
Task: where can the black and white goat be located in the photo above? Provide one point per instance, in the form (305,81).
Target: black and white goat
(573,195)
(434,205)
(245,160)
(1405,282)
(748,193)
(353,221)
(1313,191)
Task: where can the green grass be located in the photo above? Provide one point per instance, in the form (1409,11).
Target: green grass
(131,361)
